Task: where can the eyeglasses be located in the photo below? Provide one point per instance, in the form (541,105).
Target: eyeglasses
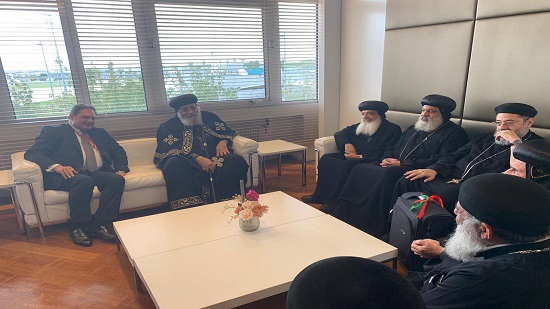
(508,123)
(188,108)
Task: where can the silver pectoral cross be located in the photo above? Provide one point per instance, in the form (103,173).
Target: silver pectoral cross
(456,180)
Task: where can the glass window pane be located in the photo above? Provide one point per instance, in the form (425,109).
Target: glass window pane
(215,52)
(298,40)
(108,43)
(34,58)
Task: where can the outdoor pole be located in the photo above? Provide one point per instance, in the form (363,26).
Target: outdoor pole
(58,59)
(47,70)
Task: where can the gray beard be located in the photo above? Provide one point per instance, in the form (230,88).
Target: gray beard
(502,142)
(428,126)
(465,242)
(191,120)
(368,128)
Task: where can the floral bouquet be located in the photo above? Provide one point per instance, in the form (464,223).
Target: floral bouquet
(247,208)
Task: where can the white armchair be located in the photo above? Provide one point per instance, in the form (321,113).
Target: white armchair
(323,145)
(145,186)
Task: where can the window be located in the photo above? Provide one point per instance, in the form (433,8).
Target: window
(298,40)
(133,55)
(215,52)
(35,63)
(109,52)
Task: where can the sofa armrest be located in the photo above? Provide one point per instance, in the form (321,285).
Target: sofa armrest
(323,145)
(27,171)
(248,149)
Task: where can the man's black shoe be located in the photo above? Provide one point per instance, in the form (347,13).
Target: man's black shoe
(307,199)
(80,237)
(101,232)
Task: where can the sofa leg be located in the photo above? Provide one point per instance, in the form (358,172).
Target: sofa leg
(35,206)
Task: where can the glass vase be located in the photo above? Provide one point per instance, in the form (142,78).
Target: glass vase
(249,225)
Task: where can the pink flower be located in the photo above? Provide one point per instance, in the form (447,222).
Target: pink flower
(252,195)
(246,214)
(238,209)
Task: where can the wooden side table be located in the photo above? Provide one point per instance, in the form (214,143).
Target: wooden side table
(7,182)
(279,147)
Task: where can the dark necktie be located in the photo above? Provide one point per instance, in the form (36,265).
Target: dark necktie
(91,163)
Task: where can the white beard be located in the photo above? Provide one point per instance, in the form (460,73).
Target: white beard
(368,128)
(521,133)
(428,126)
(191,120)
(465,242)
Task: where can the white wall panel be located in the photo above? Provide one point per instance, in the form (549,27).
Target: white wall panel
(510,63)
(424,60)
(492,8)
(408,13)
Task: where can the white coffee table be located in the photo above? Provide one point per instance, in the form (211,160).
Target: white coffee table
(279,147)
(246,267)
(187,227)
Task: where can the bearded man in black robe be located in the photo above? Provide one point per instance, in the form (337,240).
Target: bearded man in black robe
(486,153)
(362,142)
(195,156)
(364,201)
(499,254)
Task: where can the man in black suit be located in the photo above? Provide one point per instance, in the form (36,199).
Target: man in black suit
(76,157)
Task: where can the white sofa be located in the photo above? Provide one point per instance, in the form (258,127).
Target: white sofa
(145,186)
(322,146)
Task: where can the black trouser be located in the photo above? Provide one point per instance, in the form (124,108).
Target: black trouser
(80,188)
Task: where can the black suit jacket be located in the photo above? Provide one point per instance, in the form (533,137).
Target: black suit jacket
(59,145)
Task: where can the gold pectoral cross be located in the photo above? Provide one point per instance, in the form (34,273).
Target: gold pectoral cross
(218,161)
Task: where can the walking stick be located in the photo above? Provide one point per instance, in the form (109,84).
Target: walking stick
(218,162)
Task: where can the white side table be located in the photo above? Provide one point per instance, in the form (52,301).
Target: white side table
(279,147)
(7,182)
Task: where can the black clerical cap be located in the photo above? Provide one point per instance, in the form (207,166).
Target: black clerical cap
(179,101)
(534,152)
(445,104)
(378,106)
(536,155)
(516,108)
(351,282)
(508,202)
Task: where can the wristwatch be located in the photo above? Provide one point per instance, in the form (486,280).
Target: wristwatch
(517,142)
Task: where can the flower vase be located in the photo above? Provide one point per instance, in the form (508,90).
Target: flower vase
(249,225)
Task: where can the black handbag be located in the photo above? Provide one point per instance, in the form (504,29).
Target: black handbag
(417,216)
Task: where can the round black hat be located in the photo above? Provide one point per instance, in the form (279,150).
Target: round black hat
(445,104)
(517,108)
(351,282)
(534,152)
(179,101)
(378,106)
(508,202)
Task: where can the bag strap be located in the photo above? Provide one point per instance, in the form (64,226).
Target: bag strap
(432,198)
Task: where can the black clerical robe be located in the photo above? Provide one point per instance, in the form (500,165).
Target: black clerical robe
(511,276)
(365,199)
(334,168)
(177,148)
(479,156)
